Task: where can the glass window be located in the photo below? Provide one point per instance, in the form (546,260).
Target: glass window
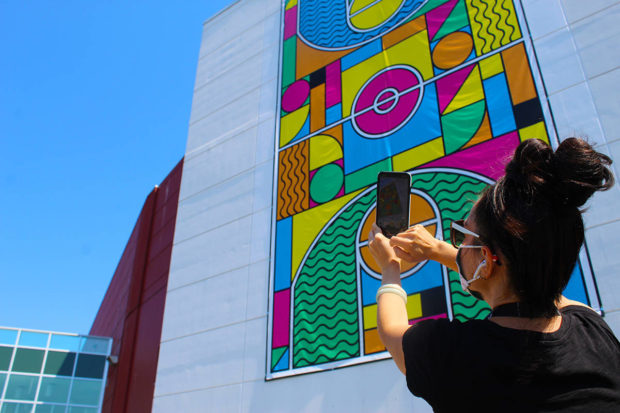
(95,345)
(59,363)
(21,387)
(8,407)
(80,409)
(5,357)
(32,339)
(65,342)
(90,366)
(50,408)
(2,381)
(85,392)
(54,389)
(8,336)
(28,360)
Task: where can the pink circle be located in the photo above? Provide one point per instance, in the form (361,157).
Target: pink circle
(383,98)
(295,96)
(372,121)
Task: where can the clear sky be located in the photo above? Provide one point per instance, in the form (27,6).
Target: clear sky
(95,98)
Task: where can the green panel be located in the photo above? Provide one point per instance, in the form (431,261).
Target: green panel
(8,336)
(8,407)
(50,408)
(457,20)
(454,195)
(366,176)
(325,322)
(288,61)
(90,366)
(80,409)
(5,357)
(85,392)
(2,381)
(326,183)
(28,360)
(461,125)
(59,363)
(21,387)
(95,345)
(276,355)
(54,389)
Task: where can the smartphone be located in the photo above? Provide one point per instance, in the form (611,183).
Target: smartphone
(393,194)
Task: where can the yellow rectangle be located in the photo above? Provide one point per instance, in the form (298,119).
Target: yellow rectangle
(414,310)
(535,131)
(414,306)
(419,155)
(491,66)
(413,51)
(370,316)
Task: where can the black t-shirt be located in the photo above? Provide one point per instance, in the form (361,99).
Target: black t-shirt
(481,366)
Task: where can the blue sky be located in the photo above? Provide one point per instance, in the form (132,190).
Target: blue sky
(95,98)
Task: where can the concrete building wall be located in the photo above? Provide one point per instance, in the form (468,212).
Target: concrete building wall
(213,350)
(575,43)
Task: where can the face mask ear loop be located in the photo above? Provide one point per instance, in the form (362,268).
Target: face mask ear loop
(477,273)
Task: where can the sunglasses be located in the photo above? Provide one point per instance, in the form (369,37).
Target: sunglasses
(458,232)
(457,236)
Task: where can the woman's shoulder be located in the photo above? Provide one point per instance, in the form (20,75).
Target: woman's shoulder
(566,304)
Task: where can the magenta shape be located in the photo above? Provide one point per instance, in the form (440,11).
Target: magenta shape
(386,95)
(436,17)
(295,95)
(281,318)
(290,22)
(399,79)
(433,317)
(488,158)
(333,84)
(375,123)
(448,86)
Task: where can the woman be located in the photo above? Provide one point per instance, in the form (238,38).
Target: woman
(537,351)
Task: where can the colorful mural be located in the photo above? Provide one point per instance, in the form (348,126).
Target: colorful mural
(442,89)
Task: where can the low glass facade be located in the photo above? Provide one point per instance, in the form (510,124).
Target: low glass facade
(49,372)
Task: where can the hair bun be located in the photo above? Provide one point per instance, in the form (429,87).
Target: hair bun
(529,174)
(580,171)
(567,177)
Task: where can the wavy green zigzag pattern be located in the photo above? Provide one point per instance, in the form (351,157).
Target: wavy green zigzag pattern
(325,324)
(454,195)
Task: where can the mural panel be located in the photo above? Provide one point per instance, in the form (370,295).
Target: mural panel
(442,89)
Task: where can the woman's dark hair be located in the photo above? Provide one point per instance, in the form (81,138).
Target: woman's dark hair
(531,216)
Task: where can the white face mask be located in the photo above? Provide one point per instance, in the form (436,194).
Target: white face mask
(464,281)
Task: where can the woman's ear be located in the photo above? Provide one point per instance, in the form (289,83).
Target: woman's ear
(490,262)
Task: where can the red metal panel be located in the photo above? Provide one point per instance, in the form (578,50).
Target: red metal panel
(157,273)
(133,307)
(142,380)
(161,239)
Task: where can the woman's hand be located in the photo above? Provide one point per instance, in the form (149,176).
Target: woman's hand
(417,244)
(382,252)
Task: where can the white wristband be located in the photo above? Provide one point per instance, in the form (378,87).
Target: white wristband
(392,289)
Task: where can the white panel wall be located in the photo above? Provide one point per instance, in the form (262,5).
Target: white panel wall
(213,350)
(576,44)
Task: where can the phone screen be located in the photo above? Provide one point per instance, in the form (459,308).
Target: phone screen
(393,192)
